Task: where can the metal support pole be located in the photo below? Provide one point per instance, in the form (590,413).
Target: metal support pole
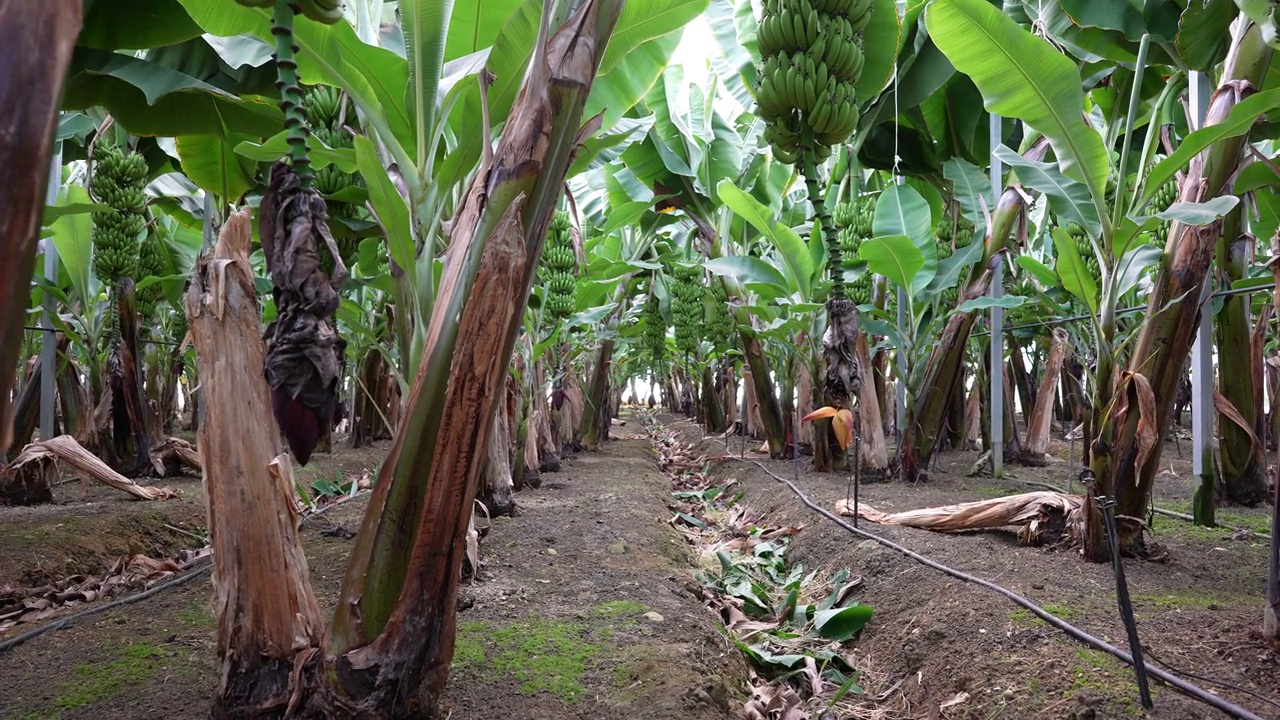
(1202,350)
(900,390)
(49,340)
(996,376)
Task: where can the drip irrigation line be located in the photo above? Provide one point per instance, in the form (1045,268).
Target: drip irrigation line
(140,340)
(1185,687)
(95,608)
(1120,311)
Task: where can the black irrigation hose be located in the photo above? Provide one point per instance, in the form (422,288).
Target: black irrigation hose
(1185,687)
(95,608)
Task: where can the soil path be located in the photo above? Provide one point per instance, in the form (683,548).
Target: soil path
(580,611)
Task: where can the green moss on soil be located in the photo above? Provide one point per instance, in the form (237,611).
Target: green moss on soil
(544,656)
(94,682)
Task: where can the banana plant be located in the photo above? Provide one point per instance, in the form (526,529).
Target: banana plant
(987,45)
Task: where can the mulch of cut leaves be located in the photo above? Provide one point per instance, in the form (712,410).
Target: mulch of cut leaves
(960,651)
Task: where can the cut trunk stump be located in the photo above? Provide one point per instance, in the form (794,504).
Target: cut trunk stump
(268,619)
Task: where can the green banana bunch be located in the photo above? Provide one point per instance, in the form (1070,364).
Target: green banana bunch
(1165,195)
(720,324)
(118,182)
(1028,313)
(686,307)
(322,11)
(322,105)
(811,59)
(151,263)
(1085,249)
(558,266)
(655,336)
(853,220)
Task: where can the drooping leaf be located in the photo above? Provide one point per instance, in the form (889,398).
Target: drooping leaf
(72,236)
(644,20)
(1197,214)
(388,204)
(150,99)
(986,302)
(1024,77)
(795,254)
(375,78)
(1204,32)
(1072,271)
(880,42)
(277,146)
(950,268)
(135,25)
(900,210)
(894,256)
(1133,264)
(746,269)
(1068,198)
(971,188)
(214,166)
(1043,273)
(1238,121)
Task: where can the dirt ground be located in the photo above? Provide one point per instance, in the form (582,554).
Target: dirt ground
(583,608)
(580,610)
(1198,614)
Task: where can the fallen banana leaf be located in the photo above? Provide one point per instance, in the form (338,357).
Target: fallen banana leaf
(1032,512)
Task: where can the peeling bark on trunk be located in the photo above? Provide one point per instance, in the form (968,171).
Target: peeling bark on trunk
(751,410)
(973,416)
(396,666)
(371,403)
(1042,414)
(36,43)
(874,452)
(268,619)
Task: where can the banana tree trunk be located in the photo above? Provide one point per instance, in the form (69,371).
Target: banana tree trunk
(712,412)
(128,403)
(497,486)
(73,399)
(594,425)
(268,619)
(394,634)
(1271,609)
(942,371)
(36,42)
(1239,369)
(957,432)
(26,412)
(1021,378)
(1041,417)
(1127,457)
(766,401)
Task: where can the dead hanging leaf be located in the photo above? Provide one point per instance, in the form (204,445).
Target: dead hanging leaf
(1228,410)
(1148,423)
(304,350)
